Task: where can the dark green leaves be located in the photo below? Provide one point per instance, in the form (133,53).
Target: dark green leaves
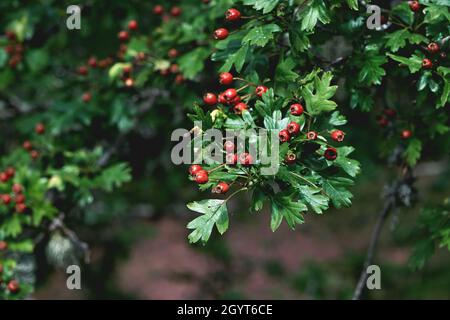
(371,71)
(261,35)
(318,93)
(414,63)
(312,13)
(265,5)
(214,212)
(192,62)
(413,151)
(284,207)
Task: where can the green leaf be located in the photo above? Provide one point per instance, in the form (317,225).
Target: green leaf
(350,166)
(192,63)
(316,94)
(214,212)
(314,12)
(25,246)
(371,71)
(237,59)
(337,119)
(261,35)
(283,206)
(414,63)
(265,5)
(353,4)
(113,176)
(247,116)
(116,69)
(313,197)
(335,188)
(397,39)
(37,60)
(413,151)
(284,71)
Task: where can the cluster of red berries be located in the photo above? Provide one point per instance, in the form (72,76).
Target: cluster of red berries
(14,49)
(173,68)
(16,198)
(433,49)
(28,146)
(201,177)
(387,117)
(231,15)
(12,285)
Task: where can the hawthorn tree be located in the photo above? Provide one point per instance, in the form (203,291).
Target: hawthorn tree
(137,68)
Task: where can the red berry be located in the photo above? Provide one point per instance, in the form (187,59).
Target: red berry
(19,198)
(3,245)
(232,14)
(222,99)
(179,79)
(194,169)
(390,112)
(6,199)
(245,159)
(284,136)
(229,146)
(406,134)
(10,172)
(40,128)
(173,53)
(427,64)
(290,158)
(13,286)
(230,94)
(231,158)
(414,5)
(175,11)
(21,207)
(433,47)
(129,82)
(260,90)
(296,109)
(133,25)
(86,97)
(240,107)
(337,135)
(383,122)
(221,187)
(221,34)
(17,188)
(83,71)
(293,128)
(201,177)
(174,68)
(311,135)
(158,9)
(9,49)
(235,101)
(27,145)
(3,177)
(123,35)
(226,78)
(330,154)
(92,62)
(210,99)
(10,35)
(34,154)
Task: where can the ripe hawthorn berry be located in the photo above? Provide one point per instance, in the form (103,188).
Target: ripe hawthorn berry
(158,9)
(311,135)
(173,53)
(13,286)
(290,158)
(222,99)
(10,172)
(230,94)
(330,154)
(179,79)
(390,112)
(229,146)
(20,207)
(427,64)
(210,99)
(296,109)
(83,70)
(245,159)
(86,97)
(284,136)
(201,177)
(92,62)
(433,47)
(235,101)
(17,188)
(221,34)
(174,68)
(19,198)
(240,107)
(406,134)
(193,169)
(337,135)
(232,14)
(226,78)
(3,177)
(133,25)
(129,82)
(27,145)
(3,245)
(260,90)
(231,158)
(175,11)
(34,154)
(40,128)
(293,128)
(414,5)
(123,36)
(6,199)
(164,72)
(383,122)
(221,188)
(10,35)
